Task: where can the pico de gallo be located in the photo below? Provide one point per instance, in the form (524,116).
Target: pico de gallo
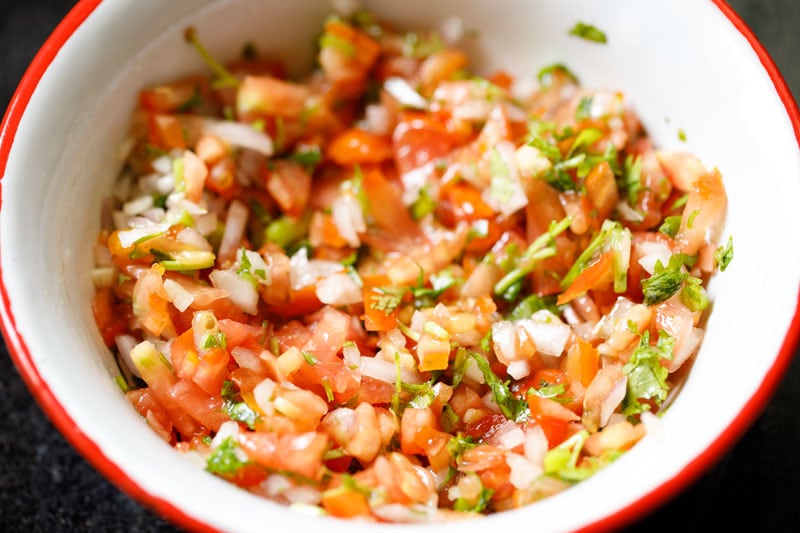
(395,289)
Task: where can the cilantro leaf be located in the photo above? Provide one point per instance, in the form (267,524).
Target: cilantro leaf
(484,498)
(665,281)
(670,226)
(588,32)
(512,407)
(389,298)
(545,75)
(532,303)
(223,459)
(724,255)
(647,377)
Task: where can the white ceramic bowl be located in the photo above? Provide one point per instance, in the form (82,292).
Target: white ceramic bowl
(683,64)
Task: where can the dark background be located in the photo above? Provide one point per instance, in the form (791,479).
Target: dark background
(46,486)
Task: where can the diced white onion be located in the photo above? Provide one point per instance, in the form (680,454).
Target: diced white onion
(504,340)
(138,205)
(262,394)
(180,297)
(377,119)
(193,238)
(246,358)
(628,213)
(162,164)
(547,331)
(404,93)
(128,237)
(348,218)
(536,445)
(302,495)
(351,356)
(653,252)
(125,344)
(519,369)
(506,194)
(510,436)
(226,429)
(338,289)
(612,401)
(523,472)
(377,368)
(240,291)
(241,135)
(235,223)
(303,272)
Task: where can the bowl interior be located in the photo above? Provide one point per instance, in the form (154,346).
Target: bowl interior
(681,65)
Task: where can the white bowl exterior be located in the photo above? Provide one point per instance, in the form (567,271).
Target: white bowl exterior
(680,64)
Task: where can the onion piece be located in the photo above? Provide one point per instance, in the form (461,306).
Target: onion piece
(177,295)
(303,272)
(240,291)
(235,223)
(129,237)
(547,331)
(125,344)
(240,135)
(348,218)
(405,94)
(339,289)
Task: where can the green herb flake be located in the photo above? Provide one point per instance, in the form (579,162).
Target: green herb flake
(670,226)
(530,304)
(665,281)
(588,32)
(463,506)
(692,216)
(584,109)
(223,459)
(724,255)
(310,359)
(512,407)
(647,377)
(389,298)
(681,135)
(545,75)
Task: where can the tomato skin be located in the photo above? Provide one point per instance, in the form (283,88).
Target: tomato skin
(418,140)
(357,146)
(596,275)
(111,318)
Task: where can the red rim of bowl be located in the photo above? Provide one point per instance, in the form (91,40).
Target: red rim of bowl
(86,447)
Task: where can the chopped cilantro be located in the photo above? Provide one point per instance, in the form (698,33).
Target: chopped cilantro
(501,188)
(511,406)
(389,298)
(343,46)
(588,32)
(545,75)
(670,226)
(235,408)
(223,459)
(214,340)
(665,281)
(647,377)
(224,76)
(692,216)
(584,109)
(484,498)
(541,248)
(424,204)
(562,461)
(532,303)
(421,46)
(310,359)
(309,156)
(631,182)
(681,135)
(328,390)
(449,418)
(694,295)
(460,444)
(724,255)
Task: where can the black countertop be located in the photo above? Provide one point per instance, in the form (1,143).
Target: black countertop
(46,486)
